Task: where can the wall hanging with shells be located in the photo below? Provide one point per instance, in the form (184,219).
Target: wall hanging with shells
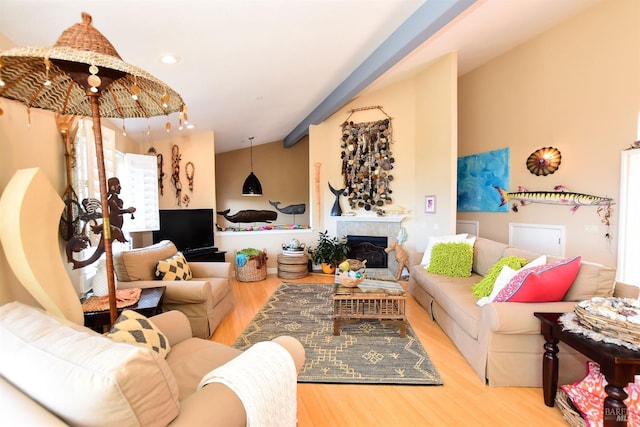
(367,161)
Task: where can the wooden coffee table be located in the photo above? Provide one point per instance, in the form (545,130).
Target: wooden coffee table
(618,364)
(371,299)
(150,304)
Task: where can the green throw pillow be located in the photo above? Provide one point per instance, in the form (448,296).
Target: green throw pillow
(451,259)
(484,287)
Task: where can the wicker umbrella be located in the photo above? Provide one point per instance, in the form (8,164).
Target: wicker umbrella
(82,74)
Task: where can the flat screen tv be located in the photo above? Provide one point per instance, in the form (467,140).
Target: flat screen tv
(187,228)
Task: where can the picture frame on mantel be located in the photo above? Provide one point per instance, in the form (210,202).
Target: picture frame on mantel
(430,204)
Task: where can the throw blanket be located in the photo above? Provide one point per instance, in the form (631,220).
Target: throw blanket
(264,379)
(124,298)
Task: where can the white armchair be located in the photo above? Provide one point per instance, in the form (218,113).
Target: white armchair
(205,299)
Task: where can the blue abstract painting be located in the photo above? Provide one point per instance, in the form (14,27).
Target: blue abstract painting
(477,176)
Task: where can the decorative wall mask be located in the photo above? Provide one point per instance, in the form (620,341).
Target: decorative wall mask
(544,161)
(367,161)
(175,175)
(190,171)
(160,173)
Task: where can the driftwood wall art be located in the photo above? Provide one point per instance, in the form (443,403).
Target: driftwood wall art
(367,161)
(316,184)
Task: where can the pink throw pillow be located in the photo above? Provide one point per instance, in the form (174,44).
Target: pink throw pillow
(545,283)
(588,395)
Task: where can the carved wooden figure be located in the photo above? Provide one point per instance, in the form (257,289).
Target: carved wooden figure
(336,210)
(401,257)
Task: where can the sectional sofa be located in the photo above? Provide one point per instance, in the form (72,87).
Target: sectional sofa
(56,373)
(501,340)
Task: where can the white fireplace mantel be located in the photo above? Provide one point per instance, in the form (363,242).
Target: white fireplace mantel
(355,218)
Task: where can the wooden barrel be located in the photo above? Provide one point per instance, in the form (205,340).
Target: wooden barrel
(292,267)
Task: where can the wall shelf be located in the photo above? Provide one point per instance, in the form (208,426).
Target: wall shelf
(347,218)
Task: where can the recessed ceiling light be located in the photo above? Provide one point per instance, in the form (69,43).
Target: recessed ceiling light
(169,59)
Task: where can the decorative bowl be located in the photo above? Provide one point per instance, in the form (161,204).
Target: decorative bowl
(350,282)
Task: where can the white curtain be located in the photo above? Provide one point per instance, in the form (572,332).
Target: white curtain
(86,182)
(628,270)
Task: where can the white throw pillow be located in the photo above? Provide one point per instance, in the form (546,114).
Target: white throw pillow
(434,240)
(505,276)
(541,260)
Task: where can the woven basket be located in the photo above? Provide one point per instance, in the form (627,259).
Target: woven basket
(569,412)
(252,271)
(350,282)
(625,331)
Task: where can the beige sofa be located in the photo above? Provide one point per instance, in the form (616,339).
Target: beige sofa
(205,300)
(56,373)
(502,341)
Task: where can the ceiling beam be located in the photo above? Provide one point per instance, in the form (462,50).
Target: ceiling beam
(422,24)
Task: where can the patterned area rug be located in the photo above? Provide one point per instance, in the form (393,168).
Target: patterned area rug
(363,353)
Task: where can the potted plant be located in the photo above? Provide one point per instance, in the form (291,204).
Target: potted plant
(329,252)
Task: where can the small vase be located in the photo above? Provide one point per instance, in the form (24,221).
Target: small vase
(99,283)
(328,268)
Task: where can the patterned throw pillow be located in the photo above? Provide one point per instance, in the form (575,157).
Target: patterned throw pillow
(174,268)
(588,395)
(134,328)
(451,259)
(545,283)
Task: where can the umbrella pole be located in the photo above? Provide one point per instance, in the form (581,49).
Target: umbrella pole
(106,223)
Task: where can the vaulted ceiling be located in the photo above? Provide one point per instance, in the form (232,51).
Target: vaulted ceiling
(269,68)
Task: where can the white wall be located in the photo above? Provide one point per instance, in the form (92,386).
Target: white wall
(423,110)
(576,88)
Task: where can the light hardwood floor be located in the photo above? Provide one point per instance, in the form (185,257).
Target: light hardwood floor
(463,400)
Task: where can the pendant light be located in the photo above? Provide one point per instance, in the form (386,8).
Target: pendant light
(252,186)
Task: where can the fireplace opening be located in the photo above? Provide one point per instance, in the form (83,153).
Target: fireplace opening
(370,248)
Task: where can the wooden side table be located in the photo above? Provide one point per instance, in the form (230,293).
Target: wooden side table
(618,364)
(293,266)
(149,304)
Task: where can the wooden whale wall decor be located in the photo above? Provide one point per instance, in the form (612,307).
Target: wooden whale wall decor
(249,215)
(291,209)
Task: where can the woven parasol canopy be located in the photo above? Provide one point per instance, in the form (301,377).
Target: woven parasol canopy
(82,74)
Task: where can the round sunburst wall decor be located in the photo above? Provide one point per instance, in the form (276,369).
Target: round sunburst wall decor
(544,161)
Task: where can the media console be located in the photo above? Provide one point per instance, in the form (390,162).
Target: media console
(210,254)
